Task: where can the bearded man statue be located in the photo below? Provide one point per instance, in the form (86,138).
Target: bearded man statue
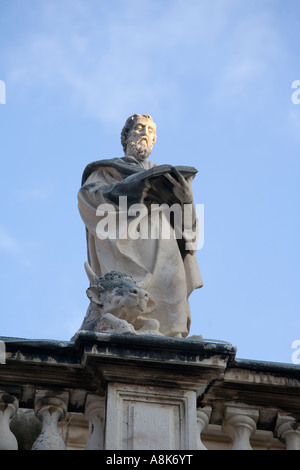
(155,248)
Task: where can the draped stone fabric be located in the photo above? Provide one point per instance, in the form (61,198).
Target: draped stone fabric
(162,266)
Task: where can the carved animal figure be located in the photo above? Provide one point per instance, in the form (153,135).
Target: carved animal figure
(117,305)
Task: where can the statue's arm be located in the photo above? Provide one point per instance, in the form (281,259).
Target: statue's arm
(134,187)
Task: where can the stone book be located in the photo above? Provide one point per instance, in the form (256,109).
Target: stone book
(160,185)
(161,170)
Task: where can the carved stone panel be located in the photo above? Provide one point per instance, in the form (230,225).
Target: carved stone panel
(150,418)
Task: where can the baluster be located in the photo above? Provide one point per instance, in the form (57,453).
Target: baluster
(239,424)
(203,416)
(50,409)
(95,414)
(8,407)
(288,431)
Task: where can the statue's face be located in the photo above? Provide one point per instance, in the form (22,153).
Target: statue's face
(141,138)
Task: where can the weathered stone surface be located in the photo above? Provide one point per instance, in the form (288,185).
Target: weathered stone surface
(117,305)
(142,374)
(72,366)
(157,249)
(150,418)
(8,408)
(26,427)
(50,408)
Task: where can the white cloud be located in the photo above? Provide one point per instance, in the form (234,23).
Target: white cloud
(107,62)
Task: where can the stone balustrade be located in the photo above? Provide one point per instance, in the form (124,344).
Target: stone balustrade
(107,392)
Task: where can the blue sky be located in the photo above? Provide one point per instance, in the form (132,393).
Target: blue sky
(216,75)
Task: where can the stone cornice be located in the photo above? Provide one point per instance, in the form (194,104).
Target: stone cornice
(208,367)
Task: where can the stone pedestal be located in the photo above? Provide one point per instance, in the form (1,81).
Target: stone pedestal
(150,386)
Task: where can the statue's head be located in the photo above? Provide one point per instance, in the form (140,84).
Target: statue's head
(138,136)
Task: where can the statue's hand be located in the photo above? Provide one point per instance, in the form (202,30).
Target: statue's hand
(181,187)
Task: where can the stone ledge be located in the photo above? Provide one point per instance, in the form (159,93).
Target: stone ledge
(95,359)
(212,353)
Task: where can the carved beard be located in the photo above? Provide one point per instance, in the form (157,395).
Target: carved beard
(140,149)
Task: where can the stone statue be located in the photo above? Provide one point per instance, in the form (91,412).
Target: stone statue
(140,220)
(117,305)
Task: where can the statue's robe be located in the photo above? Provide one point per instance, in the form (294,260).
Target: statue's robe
(163,267)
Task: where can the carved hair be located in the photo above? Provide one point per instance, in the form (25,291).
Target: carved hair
(112,275)
(109,281)
(106,278)
(129,124)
